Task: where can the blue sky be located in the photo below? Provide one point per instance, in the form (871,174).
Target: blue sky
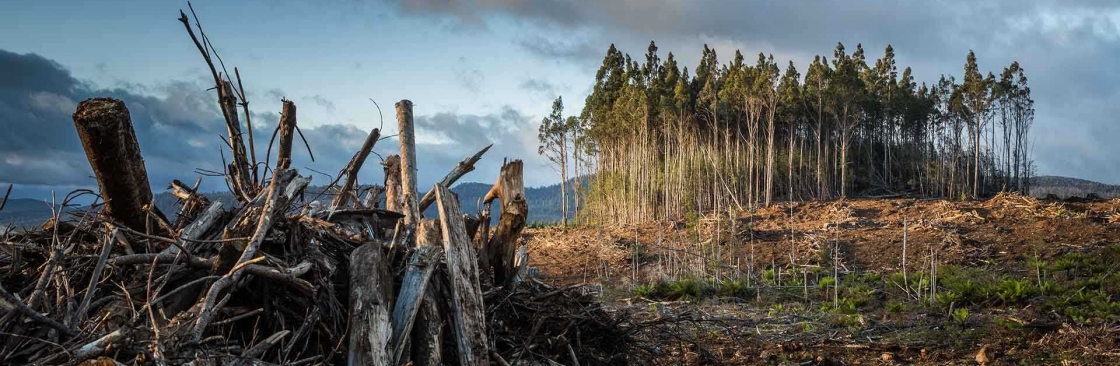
(483,71)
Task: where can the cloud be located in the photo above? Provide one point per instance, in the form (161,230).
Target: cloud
(322,102)
(541,87)
(468,77)
(179,130)
(1065,47)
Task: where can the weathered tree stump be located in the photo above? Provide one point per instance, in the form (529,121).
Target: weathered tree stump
(413,288)
(502,245)
(287,128)
(394,198)
(105,128)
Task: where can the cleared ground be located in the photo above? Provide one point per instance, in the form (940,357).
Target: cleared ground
(1025,281)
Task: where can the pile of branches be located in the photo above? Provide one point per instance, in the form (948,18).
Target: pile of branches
(353,276)
(543,324)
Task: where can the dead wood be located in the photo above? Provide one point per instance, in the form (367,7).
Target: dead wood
(466,301)
(462,168)
(407,137)
(502,245)
(370,301)
(105,129)
(414,285)
(351,170)
(286,126)
(394,197)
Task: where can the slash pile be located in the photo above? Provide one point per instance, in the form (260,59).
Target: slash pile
(348,275)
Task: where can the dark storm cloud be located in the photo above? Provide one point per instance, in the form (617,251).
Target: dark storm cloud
(1067,47)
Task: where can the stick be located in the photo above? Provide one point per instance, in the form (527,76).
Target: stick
(79,315)
(352,169)
(31,313)
(465,166)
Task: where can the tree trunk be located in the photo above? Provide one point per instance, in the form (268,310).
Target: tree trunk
(510,191)
(105,128)
(287,131)
(394,198)
(414,286)
(407,138)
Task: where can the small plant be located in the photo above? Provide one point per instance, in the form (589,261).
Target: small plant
(960,314)
(827,282)
(776,309)
(1012,291)
(768,276)
(895,306)
(647,291)
(686,289)
(947,298)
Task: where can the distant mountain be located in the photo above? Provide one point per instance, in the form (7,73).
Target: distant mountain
(1064,187)
(544,204)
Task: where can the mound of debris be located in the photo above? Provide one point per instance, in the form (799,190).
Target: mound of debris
(353,276)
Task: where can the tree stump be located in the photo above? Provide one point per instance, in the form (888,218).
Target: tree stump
(105,128)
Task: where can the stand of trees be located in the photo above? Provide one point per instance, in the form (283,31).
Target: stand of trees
(657,142)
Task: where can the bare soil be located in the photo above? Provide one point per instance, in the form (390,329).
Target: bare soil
(765,297)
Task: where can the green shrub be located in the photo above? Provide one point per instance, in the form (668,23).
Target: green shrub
(827,282)
(960,314)
(1014,291)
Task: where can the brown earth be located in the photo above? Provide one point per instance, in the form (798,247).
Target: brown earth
(789,324)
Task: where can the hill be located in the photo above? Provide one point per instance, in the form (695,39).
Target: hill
(1066,187)
(544,204)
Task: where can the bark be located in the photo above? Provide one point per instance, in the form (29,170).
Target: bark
(468,317)
(105,129)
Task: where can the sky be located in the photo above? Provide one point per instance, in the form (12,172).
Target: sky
(486,71)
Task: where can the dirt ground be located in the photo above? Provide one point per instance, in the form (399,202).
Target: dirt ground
(764,293)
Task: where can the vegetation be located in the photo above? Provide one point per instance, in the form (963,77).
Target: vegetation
(659,142)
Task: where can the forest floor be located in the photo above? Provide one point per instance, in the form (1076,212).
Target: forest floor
(1009,280)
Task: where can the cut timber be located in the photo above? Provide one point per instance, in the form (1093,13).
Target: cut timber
(469,321)
(105,128)
(287,126)
(352,169)
(465,166)
(415,285)
(406,129)
(394,198)
(370,294)
(510,190)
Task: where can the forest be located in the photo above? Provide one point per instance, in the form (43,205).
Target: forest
(656,140)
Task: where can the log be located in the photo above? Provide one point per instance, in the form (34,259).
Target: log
(394,198)
(428,331)
(502,246)
(415,285)
(105,128)
(406,129)
(462,168)
(287,126)
(352,169)
(468,318)
(370,297)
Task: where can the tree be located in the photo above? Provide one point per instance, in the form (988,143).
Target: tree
(553,135)
(976,94)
